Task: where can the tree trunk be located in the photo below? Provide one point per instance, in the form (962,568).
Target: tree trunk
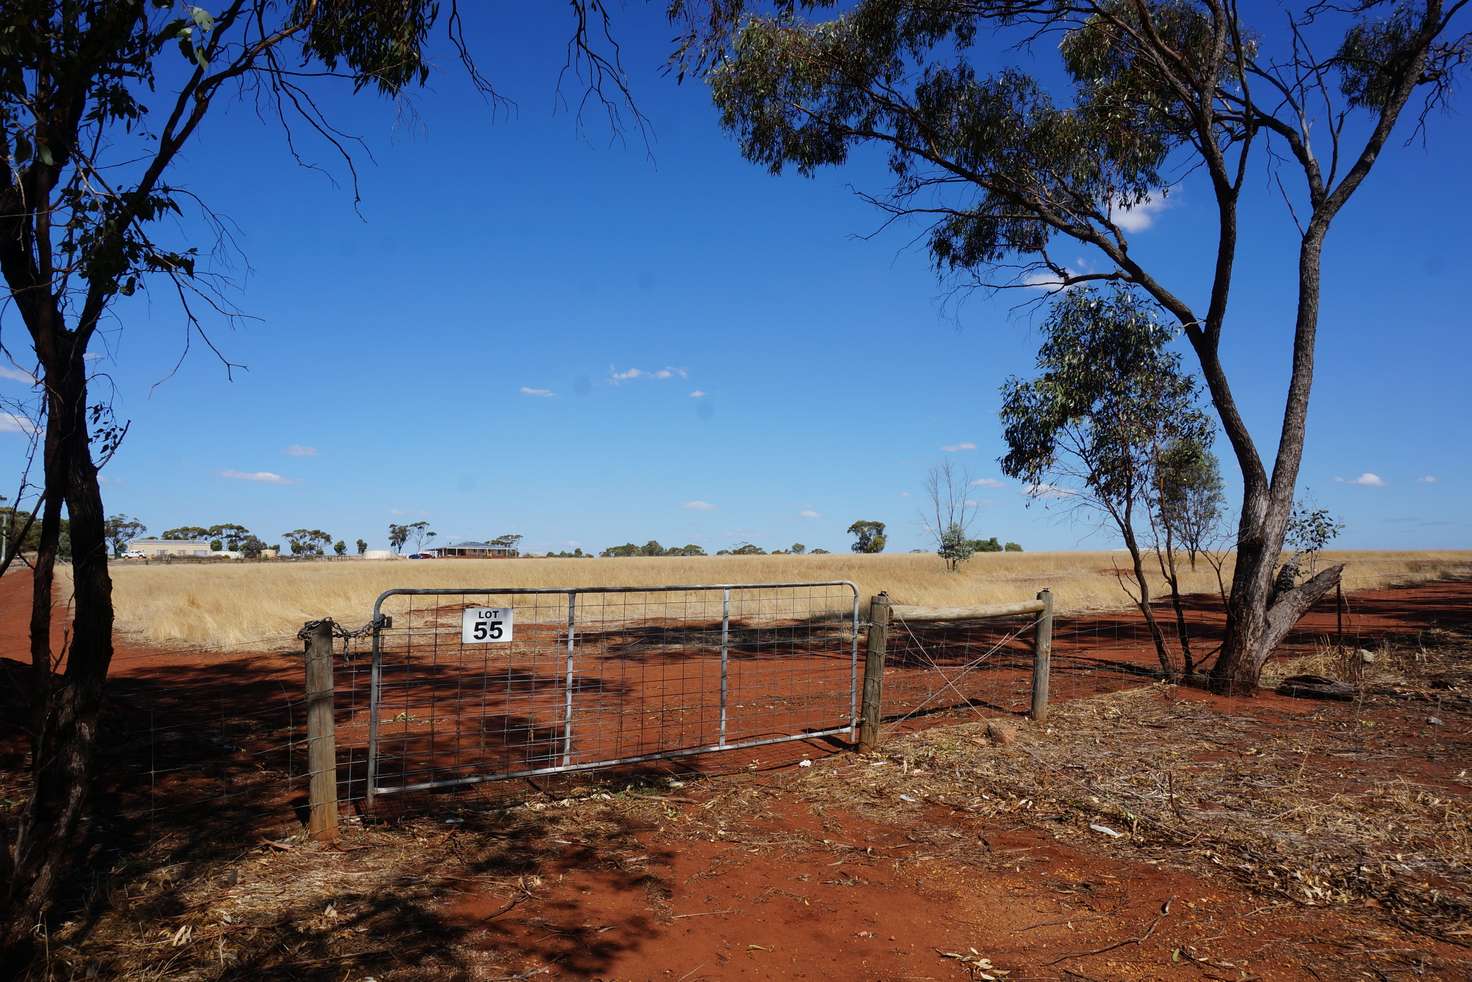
(1183,631)
(1146,610)
(68,702)
(1243,652)
(1255,618)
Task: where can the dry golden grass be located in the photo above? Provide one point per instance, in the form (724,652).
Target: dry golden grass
(261,605)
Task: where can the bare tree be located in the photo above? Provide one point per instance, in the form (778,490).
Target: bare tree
(951,513)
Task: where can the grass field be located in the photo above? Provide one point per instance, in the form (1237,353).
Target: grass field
(247,605)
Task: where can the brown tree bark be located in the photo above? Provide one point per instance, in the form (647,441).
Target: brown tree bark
(1255,618)
(67,697)
(1143,602)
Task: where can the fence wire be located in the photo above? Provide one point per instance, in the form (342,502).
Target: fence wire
(199,745)
(932,668)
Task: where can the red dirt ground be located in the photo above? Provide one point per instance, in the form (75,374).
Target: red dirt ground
(796,891)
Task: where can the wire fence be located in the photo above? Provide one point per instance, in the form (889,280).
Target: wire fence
(935,670)
(935,667)
(197,744)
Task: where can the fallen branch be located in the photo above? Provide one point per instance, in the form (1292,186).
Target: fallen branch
(1165,909)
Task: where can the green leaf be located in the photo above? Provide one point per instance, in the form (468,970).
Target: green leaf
(44,152)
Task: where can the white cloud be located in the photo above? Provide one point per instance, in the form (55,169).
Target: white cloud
(634,374)
(957,447)
(17,375)
(987,482)
(528,390)
(15,423)
(1045,279)
(809,513)
(698,394)
(698,506)
(1366,480)
(299,450)
(261,477)
(1138,217)
(1428,479)
(1048,491)
(904,494)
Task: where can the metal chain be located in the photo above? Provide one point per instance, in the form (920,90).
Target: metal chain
(338,631)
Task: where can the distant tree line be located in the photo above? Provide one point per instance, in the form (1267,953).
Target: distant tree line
(651,548)
(232,536)
(993,545)
(120,530)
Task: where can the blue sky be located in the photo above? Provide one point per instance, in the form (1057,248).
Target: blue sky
(458,349)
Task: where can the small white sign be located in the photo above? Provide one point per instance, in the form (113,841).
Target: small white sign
(485,625)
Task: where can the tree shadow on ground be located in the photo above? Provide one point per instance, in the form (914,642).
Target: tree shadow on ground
(199,782)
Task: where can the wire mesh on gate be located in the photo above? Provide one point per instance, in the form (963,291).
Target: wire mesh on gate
(595,677)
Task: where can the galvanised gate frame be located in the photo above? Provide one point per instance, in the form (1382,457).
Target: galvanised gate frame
(602,676)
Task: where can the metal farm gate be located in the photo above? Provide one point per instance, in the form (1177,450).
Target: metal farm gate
(474,685)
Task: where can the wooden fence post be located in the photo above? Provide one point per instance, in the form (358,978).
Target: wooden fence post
(1042,657)
(874,672)
(321,731)
(1339,614)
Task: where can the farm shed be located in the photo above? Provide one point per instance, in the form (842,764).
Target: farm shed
(473,550)
(158,548)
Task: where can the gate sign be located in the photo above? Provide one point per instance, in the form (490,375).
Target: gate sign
(485,625)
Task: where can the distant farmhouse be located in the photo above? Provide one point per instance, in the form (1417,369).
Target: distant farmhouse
(159,548)
(474,550)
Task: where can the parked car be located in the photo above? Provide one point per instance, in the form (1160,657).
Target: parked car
(423,555)
(134,554)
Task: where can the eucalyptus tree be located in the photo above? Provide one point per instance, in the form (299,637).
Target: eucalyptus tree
(1192,501)
(186,532)
(231,533)
(1091,429)
(1007,169)
(868,536)
(307,542)
(120,530)
(99,100)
